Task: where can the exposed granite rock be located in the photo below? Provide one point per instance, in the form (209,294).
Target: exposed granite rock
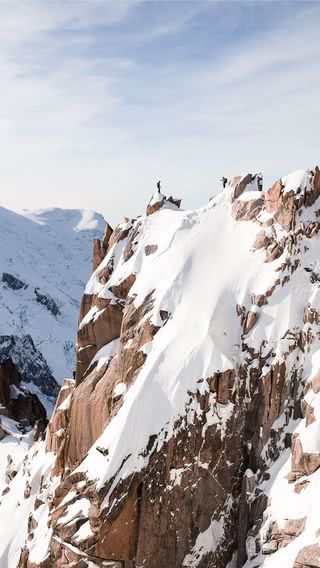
(262,240)
(239,184)
(303,463)
(250,321)
(281,537)
(159,200)
(93,335)
(100,247)
(206,474)
(150,249)
(308,557)
(247,210)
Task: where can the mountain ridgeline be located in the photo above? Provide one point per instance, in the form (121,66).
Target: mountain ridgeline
(190,435)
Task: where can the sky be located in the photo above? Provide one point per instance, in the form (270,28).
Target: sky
(99,98)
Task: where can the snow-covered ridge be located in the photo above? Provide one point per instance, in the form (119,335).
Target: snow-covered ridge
(197,342)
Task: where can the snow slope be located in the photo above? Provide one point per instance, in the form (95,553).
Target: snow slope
(202,268)
(48,252)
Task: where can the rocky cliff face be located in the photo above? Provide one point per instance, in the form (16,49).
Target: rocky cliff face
(190,436)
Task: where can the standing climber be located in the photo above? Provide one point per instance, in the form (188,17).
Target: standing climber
(159,186)
(260,181)
(224,181)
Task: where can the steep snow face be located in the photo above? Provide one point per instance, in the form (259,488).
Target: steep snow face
(203,268)
(45,262)
(24,481)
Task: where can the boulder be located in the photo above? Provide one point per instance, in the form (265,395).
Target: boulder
(262,240)
(292,529)
(159,200)
(239,183)
(308,557)
(302,462)
(246,210)
(150,249)
(250,321)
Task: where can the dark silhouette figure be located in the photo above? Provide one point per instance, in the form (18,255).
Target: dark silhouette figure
(159,186)
(224,181)
(260,182)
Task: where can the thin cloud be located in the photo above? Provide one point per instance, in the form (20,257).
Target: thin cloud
(99,99)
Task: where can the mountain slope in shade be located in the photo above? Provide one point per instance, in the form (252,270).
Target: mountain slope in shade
(45,261)
(190,437)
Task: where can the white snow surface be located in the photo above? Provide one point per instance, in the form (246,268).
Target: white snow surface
(285,503)
(32,465)
(297,181)
(207,541)
(204,266)
(51,250)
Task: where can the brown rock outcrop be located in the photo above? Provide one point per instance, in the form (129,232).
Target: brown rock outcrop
(303,463)
(315,381)
(158,201)
(239,184)
(291,530)
(308,557)
(104,327)
(100,247)
(150,249)
(57,427)
(246,210)
(272,197)
(154,207)
(250,321)
(262,240)
(122,290)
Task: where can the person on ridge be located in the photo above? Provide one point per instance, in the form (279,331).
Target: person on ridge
(159,186)
(260,181)
(224,181)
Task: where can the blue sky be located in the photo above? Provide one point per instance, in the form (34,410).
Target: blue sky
(100,99)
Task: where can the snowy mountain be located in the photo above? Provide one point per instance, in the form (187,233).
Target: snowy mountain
(45,261)
(190,435)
